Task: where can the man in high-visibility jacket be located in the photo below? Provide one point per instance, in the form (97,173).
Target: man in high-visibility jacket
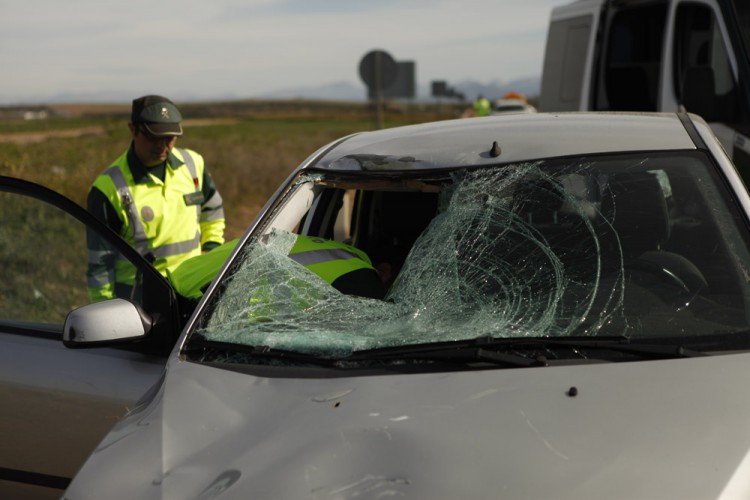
(346,268)
(159,198)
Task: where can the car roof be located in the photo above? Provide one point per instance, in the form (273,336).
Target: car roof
(521,137)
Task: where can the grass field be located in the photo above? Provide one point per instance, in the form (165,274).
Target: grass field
(249,147)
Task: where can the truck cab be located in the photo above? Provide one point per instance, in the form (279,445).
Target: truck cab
(654,55)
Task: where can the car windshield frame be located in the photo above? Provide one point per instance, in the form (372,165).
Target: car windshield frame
(330,325)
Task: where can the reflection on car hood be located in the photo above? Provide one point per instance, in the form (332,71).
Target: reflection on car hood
(658,429)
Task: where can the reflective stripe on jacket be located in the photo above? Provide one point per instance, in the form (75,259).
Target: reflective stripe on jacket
(332,261)
(165,221)
(328,259)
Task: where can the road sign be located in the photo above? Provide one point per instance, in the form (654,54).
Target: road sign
(378,70)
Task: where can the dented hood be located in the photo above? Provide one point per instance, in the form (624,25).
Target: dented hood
(652,429)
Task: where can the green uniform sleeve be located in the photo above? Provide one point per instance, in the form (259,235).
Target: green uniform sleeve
(100,273)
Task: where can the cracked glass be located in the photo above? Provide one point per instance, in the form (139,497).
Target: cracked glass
(633,245)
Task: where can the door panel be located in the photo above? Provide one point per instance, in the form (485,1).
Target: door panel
(56,404)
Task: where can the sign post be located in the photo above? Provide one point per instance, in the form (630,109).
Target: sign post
(378,70)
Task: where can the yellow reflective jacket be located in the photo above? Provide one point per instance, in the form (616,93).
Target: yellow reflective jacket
(165,221)
(327,258)
(191,277)
(330,260)
(482,106)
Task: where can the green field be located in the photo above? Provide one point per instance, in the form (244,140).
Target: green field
(250,147)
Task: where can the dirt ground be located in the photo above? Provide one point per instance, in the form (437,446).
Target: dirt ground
(41,136)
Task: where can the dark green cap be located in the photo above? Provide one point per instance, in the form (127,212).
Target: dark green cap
(158,115)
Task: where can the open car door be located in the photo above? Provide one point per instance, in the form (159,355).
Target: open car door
(57,403)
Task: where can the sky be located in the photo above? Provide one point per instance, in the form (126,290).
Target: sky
(208,49)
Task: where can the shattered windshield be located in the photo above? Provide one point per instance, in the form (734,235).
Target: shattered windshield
(636,246)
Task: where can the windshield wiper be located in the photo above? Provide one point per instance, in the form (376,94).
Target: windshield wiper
(459,351)
(502,351)
(454,355)
(625,345)
(532,351)
(206,349)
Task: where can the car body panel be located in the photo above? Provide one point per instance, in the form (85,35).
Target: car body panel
(517,433)
(57,403)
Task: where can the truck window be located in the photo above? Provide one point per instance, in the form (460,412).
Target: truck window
(629,76)
(741,11)
(703,78)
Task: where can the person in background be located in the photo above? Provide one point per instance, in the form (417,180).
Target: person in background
(346,268)
(482,106)
(159,198)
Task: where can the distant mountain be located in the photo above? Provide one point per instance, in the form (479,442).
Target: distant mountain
(347,91)
(496,89)
(334,91)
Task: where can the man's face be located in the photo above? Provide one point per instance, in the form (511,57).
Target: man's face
(151,150)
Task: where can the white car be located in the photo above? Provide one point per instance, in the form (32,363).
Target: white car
(568,318)
(511,106)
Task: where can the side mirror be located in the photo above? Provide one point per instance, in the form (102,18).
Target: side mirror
(114,321)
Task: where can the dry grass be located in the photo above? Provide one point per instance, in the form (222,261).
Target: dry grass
(250,147)
(250,150)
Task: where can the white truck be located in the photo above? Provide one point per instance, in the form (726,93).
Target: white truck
(654,55)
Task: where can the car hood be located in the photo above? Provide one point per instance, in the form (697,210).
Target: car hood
(652,429)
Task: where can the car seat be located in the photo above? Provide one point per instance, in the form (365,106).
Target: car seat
(635,206)
(389,222)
